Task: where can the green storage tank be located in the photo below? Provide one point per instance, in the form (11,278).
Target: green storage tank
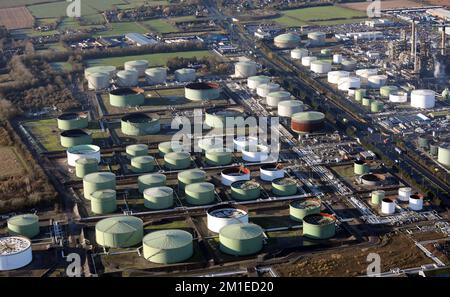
(85,166)
(360,167)
(168,246)
(218,156)
(143,164)
(319,226)
(25,225)
(169,147)
(366,101)
(245,190)
(177,160)
(136,150)
(200,193)
(140,124)
(158,197)
(359,94)
(151,181)
(126,97)
(94,182)
(241,239)
(377,197)
(284,186)
(119,232)
(302,208)
(71,138)
(385,91)
(104,201)
(72,121)
(376,106)
(191,176)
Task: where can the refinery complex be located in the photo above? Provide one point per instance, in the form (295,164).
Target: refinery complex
(295,147)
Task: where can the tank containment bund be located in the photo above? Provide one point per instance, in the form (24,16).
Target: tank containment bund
(271,172)
(306,61)
(387,206)
(272,99)
(423,98)
(104,201)
(168,246)
(98,181)
(241,239)
(320,67)
(156,76)
(185,75)
(444,154)
(245,190)
(289,107)
(72,121)
(299,53)
(377,197)
(15,253)
(416,202)
(200,193)
(231,175)
(82,151)
(85,166)
(202,91)
(158,198)
(254,81)
(136,150)
(151,181)
(119,232)
(301,208)
(404,193)
(264,89)
(127,78)
(140,66)
(398,97)
(287,40)
(224,215)
(335,76)
(26,225)
(319,226)
(245,69)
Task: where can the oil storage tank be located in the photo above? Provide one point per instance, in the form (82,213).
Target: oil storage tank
(272,99)
(127,78)
(334,76)
(398,97)
(360,94)
(299,53)
(423,98)
(126,97)
(85,166)
(139,66)
(241,239)
(444,154)
(142,164)
(309,121)
(301,208)
(156,76)
(208,143)
(190,176)
(223,215)
(348,65)
(168,246)
(245,190)
(104,201)
(387,206)
(110,70)
(151,181)
(140,124)
(337,58)
(218,156)
(231,175)
(416,202)
(158,198)
(15,253)
(404,193)
(24,225)
(71,138)
(245,69)
(82,151)
(219,117)
(377,196)
(376,81)
(170,147)
(185,75)
(98,181)
(320,66)
(202,91)
(119,232)
(287,40)
(319,226)
(269,172)
(345,83)
(284,187)
(98,81)
(177,160)
(73,121)
(254,81)
(306,61)
(289,107)
(385,91)
(200,193)
(316,38)
(136,150)
(255,153)
(264,89)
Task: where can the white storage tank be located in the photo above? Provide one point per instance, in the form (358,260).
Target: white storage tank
(317,38)
(242,141)
(298,53)
(346,83)
(272,99)
(416,202)
(156,76)
(245,69)
(258,153)
(254,81)
(264,89)
(423,98)
(398,97)
(127,78)
(140,66)
(98,81)
(306,61)
(404,193)
(224,215)
(185,75)
(335,76)
(387,206)
(320,67)
(82,151)
(337,59)
(15,253)
(234,174)
(289,107)
(270,172)
(365,73)
(376,81)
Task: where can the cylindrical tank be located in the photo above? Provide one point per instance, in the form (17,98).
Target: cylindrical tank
(366,101)
(200,193)
(85,166)
(424,141)
(231,175)
(16,253)
(404,193)
(306,61)
(272,99)
(289,107)
(210,143)
(202,91)
(254,81)
(142,164)
(222,117)
(308,121)
(156,76)
(377,197)
(151,181)
(337,59)
(218,156)
(319,226)
(127,78)
(97,181)
(223,215)
(136,150)
(364,74)
(348,65)
(398,97)
(423,98)
(140,124)
(177,160)
(158,197)
(376,81)
(73,121)
(245,190)
(104,201)
(264,89)
(126,97)
(24,225)
(190,176)
(140,66)
(376,106)
(110,70)
(335,76)
(385,91)
(185,75)
(245,69)
(360,167)
(415,202)
(387,206)
(316,38)
(168,246)
(301,208)
(286,40)
(270,172)
(346,83)
(241,239)
(284,186)
(360,94)
(444,154)
(71,138)
(298,53)
(82,151)
(434,149)
(119,232)
(98,81)
(170,147)
(255,153)
(320,66)
(242,142)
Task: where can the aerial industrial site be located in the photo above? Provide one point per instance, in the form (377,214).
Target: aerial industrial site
(224,138)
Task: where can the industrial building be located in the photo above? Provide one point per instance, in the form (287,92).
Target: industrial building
(139,39)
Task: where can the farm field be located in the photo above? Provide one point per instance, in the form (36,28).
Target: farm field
(154,59)
(16,3)
(390,4)
(324,15)
(12,163)
(16,18)
(159,26)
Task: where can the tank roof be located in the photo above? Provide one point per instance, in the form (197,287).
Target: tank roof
(241,231)
(202,86)
(99,177)
(72,116)
(319,219)
(245,185)
(306,204)
(23,220)
(13,245)
(152,178)
(137,63)
(279,94)
(120,224)
(168,239)
(74,133)
(200,187)
(158,191)
(285,181)
(86,161)
(143,159)
(287,37)
(137,147)
(288,103)
(308,116)
(104,195)
(177,155)
(227,212)
(192,173)
(83,149)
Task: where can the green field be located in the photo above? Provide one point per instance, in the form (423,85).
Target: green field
(15,3)
(324,15)
(154,59)
(160,26)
